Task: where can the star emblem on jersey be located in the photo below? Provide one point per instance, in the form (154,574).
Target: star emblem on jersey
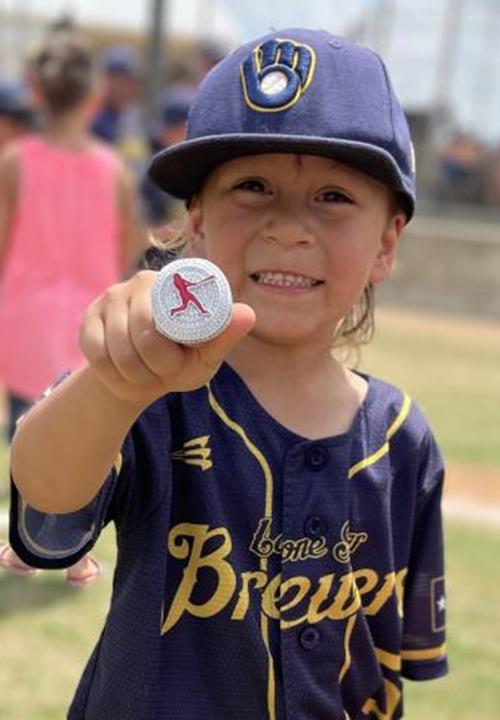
(191,301)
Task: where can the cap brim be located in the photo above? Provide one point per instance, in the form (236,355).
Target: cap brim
(181,169)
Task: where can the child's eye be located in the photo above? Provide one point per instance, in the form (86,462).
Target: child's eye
(252,185)
(334,196)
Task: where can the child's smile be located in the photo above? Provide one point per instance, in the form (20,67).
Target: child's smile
(285,281)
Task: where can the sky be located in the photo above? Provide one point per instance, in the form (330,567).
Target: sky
(444,54)
(237,20)
(259,16)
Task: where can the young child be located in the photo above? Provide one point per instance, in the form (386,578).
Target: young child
(157,206)
(119,119)
(67,231)
(277,513)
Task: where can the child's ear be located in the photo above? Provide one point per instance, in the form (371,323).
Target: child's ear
(386,255)
(196,237)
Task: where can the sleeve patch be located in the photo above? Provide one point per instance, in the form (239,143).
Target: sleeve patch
(438,604)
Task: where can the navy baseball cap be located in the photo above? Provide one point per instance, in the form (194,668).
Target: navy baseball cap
(294,91)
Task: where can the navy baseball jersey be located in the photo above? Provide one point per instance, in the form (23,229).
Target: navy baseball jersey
(260,575)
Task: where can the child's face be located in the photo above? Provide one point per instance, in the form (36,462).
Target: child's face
(299,238)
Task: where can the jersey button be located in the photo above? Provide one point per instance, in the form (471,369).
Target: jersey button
(314,526)
(309,638)
(316,457)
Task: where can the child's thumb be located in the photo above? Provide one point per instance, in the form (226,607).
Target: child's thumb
(242,321)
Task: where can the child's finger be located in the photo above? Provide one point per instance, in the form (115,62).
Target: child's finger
(94,347)
(159,354)
(122,351)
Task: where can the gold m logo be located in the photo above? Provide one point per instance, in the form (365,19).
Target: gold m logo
(195,452)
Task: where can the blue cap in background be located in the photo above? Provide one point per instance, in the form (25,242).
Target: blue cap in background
(175,104)
(121,60)
(14,101)
(296,91)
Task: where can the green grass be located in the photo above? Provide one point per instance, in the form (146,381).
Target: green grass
(454,375)
(47,632)
(472,689)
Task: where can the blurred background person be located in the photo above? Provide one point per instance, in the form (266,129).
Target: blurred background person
(68,228)
(17,115)
(462,169)
(493,178)
(207,55)
(169,127)
(119,119)
(159,207)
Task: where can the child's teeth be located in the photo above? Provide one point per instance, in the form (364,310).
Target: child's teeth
(285,280)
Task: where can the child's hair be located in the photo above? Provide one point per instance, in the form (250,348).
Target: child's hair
(63,70)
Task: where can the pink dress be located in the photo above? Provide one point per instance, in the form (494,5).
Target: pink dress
(63,250)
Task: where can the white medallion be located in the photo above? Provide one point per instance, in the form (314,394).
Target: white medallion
(191,301)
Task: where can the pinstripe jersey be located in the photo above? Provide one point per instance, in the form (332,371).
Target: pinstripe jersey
(260,575)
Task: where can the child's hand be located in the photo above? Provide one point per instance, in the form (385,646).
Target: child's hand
(133,360)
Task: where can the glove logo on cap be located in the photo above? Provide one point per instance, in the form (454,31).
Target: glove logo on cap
(276,74)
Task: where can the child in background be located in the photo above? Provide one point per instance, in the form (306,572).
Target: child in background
(67,230)
(119,119)
(16,119)
(158,206)
(277,513)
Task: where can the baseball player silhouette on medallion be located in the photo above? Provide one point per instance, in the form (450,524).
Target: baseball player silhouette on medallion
(186,296)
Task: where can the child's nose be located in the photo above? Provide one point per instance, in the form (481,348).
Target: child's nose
(288,226)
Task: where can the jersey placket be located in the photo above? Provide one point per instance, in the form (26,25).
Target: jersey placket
(315,505)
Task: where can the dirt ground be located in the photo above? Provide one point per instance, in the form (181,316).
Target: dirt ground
(484,333)
(473,482)
(472,494)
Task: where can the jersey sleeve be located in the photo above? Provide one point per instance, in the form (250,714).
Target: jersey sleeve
(424,652)
(53,540)
(133,487)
